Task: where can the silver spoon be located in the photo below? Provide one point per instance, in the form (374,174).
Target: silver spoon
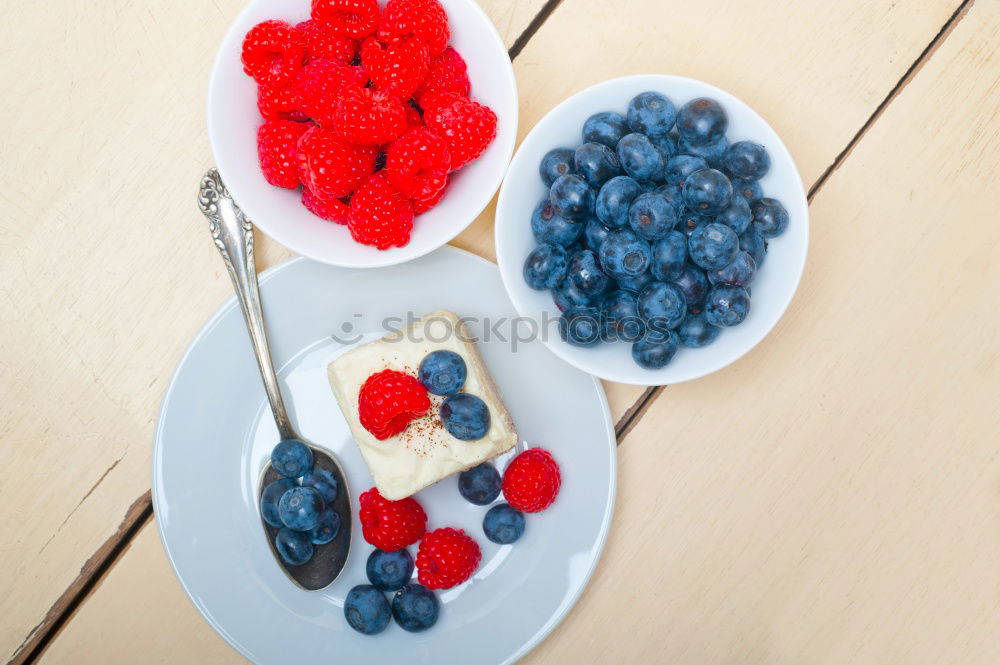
(233,235)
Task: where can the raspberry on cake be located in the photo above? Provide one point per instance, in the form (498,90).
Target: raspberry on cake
(424,452)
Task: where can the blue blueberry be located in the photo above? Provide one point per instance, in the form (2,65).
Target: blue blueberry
(442,372)
(707,192)
(580,326)
(620,314)
(651,113)
(753,243)
(366,609)
(292,458)
(594,233)
(727,305)
(667,145)
(635,284)
(747,160)
(690,221)
(680,167)
(415,608)
(545,267)
(585,273)
(739,272)
(714,152)
(300,507)
(640,158)
(294,547)
(607,128)
(465,416)
(694,285)
(737,214)
(547,226)
(270,497)
(624,254)
(596,163)
(327,527)
(555,163)
(614,199)
(769,217)
(702,120)
(655,350)
(480,484)
(662,306)
(567,296)
(672,194)
(669,256)
(652,216)
(748,189)
(695,332)
(572,197)
(388,571)
(713,246)
(503,525)
(323,482)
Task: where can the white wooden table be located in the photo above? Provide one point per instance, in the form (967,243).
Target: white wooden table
(833,497)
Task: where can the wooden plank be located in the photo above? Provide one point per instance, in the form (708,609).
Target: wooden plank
(832,497)
(775,521)
(106,270)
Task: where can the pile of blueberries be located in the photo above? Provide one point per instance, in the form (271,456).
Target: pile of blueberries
(300,504)
(414,607)
(653,228)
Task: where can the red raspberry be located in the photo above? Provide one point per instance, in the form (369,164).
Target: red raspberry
(397,69)
(391,525)
(420,207)
(413,118)
(446,558)
(466,126)
(273,52)
(418,164)
(531,481)
(279,104)
(324,45)
(389,400)
(369,117)
(447,73)
(424,18)
(332,210)
(329,166)
(320,86)
(380,216)
(276,149)
(346,18)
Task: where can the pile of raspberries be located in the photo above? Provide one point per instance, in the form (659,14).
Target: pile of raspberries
(367,109)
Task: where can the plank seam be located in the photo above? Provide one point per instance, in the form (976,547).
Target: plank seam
(908,76)
(90,576)
(543,15)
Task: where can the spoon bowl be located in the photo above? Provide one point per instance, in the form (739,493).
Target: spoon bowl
(233,236)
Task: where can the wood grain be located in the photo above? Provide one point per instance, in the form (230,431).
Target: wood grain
(106,272)
(832,497)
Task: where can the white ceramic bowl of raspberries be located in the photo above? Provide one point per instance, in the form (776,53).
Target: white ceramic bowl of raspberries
(386,178)
(666,238)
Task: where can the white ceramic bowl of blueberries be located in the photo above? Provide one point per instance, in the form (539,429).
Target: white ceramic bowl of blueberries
(653,227)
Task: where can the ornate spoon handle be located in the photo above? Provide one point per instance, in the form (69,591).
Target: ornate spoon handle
(233,235)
